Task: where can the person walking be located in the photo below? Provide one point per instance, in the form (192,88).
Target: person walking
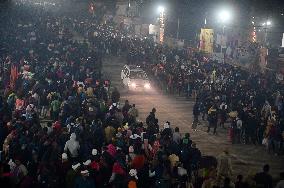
(151,118)
(224,167)
(212,118)
(133,113)
(115,95)
(196,113)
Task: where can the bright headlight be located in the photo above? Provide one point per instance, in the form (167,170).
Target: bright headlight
(133,84)
(147,86)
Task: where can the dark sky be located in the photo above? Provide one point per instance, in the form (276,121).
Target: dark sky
(191,14)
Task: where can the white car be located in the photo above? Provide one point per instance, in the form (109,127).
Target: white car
(134,78)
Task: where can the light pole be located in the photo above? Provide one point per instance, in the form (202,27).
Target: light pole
(266,25)
(205,20)
(161,10)
(224,16)
(178,28)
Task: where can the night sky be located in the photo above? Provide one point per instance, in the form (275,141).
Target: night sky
(192,13)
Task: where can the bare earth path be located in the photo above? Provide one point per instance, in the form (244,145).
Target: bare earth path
(178,111)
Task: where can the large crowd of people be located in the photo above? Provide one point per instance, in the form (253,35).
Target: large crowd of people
(61,126)
(252,101)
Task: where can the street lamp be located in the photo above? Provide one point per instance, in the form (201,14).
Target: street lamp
(224,16)
(161,10)
(266,25)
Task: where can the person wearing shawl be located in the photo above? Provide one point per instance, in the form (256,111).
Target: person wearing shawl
(109,133)
(224,168)
(111,149)
(20,171)
(119,171)
(138,161)
(95,165)
(62,168)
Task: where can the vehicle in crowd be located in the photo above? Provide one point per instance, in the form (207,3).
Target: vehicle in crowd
(134,78)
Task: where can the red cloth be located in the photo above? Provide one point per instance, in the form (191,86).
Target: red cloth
(94,165)
(117,168)
(138,162)
(111,150)
(8,174)
(20,104)
(57,126)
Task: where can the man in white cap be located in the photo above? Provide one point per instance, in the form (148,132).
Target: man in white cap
(72,146)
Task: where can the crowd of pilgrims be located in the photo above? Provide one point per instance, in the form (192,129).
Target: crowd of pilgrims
(251,101)
(61,126)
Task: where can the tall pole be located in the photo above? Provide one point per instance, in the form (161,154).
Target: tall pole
(266,27)
(205,20)
(223,37)
(265,35)
(162,26)
(178,29)
(128,11)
